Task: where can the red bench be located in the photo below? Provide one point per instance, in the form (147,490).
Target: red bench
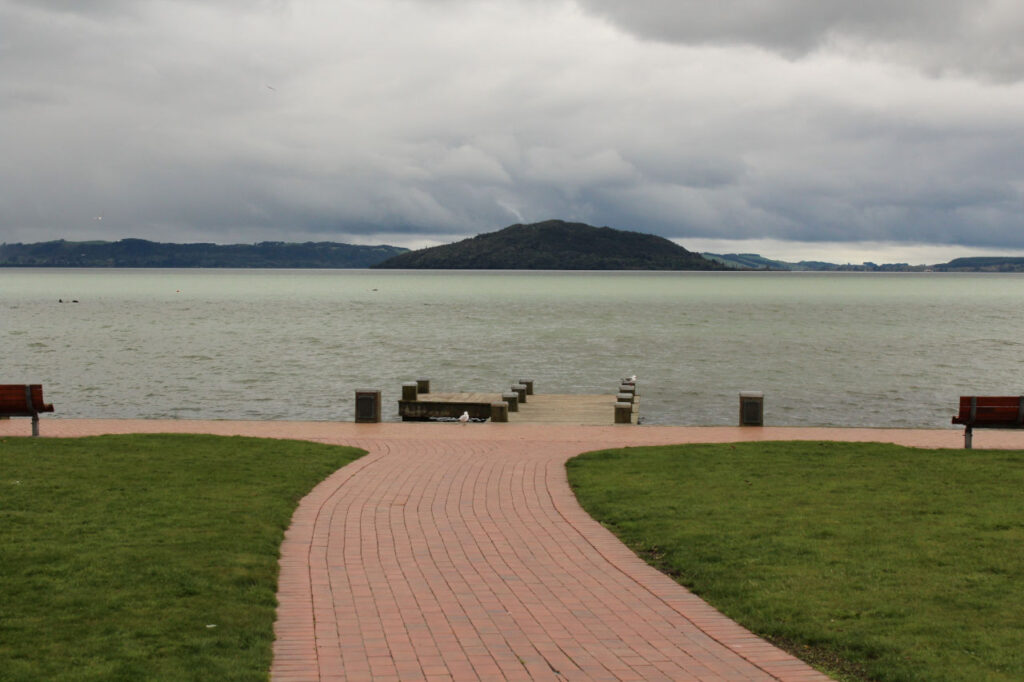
(23,400)
(989,412)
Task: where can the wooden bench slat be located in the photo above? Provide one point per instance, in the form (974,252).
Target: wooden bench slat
(991,411)
(22,400)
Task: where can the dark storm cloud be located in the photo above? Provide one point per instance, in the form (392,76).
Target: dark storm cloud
(401,120)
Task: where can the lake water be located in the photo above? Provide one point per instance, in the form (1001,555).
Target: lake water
(845,349)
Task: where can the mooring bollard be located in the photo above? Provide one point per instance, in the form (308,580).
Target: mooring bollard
(529,385)
(624,398)
(499,411)
(751,408)
(409,390)
(627,388)
(367,406)
(423,385)
(521,390)
(512,398)
(623,413)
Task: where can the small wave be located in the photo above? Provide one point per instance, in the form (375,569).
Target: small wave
(998,343)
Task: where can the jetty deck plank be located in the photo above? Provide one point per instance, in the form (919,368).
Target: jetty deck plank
(583,410)
(575,409)
(458,397)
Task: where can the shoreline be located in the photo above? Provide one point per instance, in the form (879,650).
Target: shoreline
(616,436)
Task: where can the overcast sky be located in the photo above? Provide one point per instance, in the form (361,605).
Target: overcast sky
(881,129)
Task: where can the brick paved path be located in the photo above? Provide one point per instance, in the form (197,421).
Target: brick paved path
(459,552)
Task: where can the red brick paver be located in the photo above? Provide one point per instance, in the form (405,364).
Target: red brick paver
(454,552)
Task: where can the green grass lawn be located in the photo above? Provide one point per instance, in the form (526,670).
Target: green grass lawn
(870,561)
(146,557)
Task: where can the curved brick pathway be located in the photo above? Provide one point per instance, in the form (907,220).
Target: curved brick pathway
(459,552)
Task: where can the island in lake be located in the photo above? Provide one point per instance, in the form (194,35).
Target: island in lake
(556,245)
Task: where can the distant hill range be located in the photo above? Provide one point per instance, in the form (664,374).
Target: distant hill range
(752,261)
(556,245)
(139,253)
(550,245)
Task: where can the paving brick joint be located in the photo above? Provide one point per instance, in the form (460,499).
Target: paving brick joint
(458,552)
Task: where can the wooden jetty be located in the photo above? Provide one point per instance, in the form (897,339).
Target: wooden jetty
(519,406)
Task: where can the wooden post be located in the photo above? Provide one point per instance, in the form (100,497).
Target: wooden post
(512,398)
(529,385)
(623,413)
(367,406)
(751,408)
(409,390)
(499,411)
(624,398)
(423,385)
(521,390)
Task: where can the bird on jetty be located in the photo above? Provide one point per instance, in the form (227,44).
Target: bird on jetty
(464,418)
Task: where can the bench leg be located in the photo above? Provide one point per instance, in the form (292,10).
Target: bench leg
(968,438)
(35,425)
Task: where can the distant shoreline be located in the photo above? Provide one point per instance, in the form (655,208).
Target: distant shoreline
(925,270)
(143,254)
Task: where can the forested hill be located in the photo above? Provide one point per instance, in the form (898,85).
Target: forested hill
(139,253)
(983,264)
(556,245)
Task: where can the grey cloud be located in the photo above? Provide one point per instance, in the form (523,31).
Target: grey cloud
(403,120)
(939,36)
(792,26)
(97,8)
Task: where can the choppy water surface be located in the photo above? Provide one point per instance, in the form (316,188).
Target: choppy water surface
(851,349)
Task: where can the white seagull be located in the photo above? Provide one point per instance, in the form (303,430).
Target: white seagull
(464,418)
